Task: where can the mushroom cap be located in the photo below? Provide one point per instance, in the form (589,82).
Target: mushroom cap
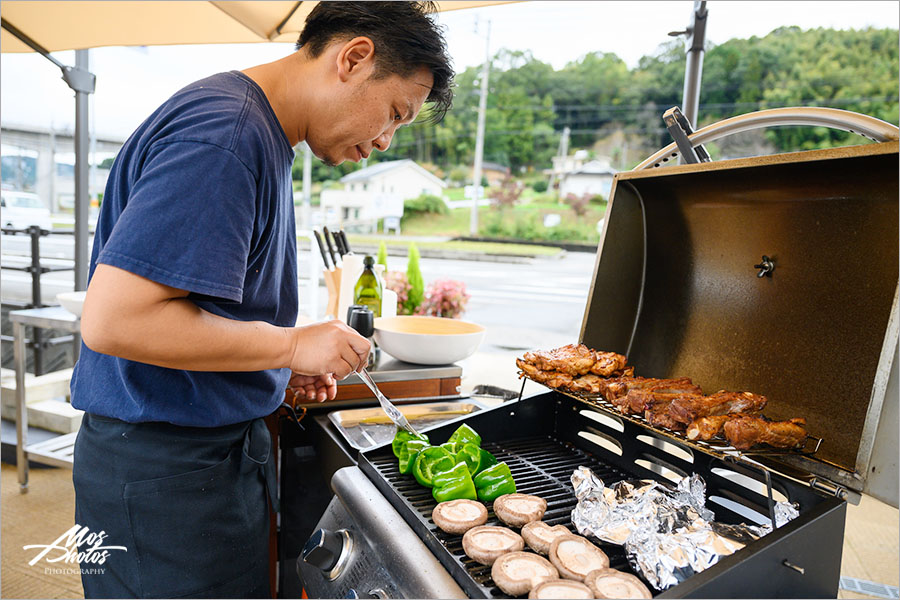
(486,543)
(516,573)
(538,535)
(518,509)
(459,516)
(561,588)
(610,583)
(576,556)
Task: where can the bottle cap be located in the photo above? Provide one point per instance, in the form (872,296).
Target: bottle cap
(368,261)
(363,321)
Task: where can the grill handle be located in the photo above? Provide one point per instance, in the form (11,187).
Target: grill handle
(864,125)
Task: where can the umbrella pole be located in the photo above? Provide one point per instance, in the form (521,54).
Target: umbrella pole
(82,192)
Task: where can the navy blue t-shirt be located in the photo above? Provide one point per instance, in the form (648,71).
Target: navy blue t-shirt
(199,198)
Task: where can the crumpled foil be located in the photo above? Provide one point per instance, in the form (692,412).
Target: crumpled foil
(668,533)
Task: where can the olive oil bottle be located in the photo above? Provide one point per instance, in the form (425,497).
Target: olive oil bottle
(368,290)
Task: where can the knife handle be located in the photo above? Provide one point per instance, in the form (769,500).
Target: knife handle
(325,259)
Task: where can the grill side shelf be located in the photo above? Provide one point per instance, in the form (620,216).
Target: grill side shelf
(540,465)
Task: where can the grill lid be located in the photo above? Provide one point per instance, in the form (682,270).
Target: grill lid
(681,287)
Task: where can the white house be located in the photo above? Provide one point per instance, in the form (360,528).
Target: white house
(592,178)
(377,192)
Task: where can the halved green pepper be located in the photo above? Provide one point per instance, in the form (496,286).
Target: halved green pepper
(408,454)
(401,437)
(493,482)
(476,459)
(465,435)
(454,484)
(432,460)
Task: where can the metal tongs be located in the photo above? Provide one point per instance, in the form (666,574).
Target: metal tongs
(387,406)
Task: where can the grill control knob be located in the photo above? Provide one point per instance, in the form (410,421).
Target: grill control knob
(323,549)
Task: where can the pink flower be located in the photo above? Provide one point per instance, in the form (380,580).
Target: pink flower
(445,298)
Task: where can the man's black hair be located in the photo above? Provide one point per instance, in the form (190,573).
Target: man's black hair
(405,37)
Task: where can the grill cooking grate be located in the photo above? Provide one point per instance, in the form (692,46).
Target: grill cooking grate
(541,466)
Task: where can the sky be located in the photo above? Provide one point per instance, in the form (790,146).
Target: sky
(132,82)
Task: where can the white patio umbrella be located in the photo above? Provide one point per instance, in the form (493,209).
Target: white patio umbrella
(79,25)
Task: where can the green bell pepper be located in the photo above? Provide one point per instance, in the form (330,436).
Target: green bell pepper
(408,454)
(454,484)
(431,460)
(465,435)
(476,459)
(493,482)
(401,437)
(451,448)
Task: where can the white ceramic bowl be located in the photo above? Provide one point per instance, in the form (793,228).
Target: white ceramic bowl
(72,301)
(427,340)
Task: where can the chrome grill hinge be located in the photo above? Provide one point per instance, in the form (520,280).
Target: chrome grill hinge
(829,487)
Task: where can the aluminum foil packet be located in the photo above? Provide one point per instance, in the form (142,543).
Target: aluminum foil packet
(667,532)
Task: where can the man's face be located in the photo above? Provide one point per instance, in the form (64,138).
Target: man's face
(367,117)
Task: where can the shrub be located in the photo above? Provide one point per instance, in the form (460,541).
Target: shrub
(579,204)
(424,204)
(416,283)
(445,298)
(539,186)
(459,175)
(397,282)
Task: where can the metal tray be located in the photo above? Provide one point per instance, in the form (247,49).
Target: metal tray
(365,428)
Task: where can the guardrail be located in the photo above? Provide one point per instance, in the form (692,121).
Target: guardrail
(36,269)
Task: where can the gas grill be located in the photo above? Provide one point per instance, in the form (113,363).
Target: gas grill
(777,275)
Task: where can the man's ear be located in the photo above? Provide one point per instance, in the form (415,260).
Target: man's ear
(356,57)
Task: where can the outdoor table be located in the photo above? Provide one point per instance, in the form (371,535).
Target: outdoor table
(56,451)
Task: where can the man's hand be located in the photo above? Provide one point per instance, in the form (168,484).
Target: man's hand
(313,388)
(331,347)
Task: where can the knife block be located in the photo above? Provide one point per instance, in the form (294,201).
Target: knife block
(332,284)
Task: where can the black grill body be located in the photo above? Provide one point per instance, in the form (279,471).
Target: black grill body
(545,437)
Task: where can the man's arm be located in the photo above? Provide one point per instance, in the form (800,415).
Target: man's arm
(132,317)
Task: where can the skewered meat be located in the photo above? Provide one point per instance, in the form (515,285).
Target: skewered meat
(746,431)
(575,360)
(553,379)
(607,363)
(688,409)
(657,397)
(706,428)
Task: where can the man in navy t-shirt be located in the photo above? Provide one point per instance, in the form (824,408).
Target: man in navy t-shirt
(189,321)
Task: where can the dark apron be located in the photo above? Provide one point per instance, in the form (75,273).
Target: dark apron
(188,503)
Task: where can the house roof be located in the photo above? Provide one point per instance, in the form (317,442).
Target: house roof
(594,167)
(381,168)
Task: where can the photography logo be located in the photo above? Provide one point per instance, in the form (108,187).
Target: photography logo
(79,549)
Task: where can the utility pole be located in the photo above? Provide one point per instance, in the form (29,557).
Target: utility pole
(479,138)
(693,71)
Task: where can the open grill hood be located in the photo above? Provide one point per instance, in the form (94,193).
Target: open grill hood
(678,287)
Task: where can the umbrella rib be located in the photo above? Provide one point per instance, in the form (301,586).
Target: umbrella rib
(285,20)
(258,32)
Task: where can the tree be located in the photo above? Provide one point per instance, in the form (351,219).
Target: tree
(416,283)
(382,255)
